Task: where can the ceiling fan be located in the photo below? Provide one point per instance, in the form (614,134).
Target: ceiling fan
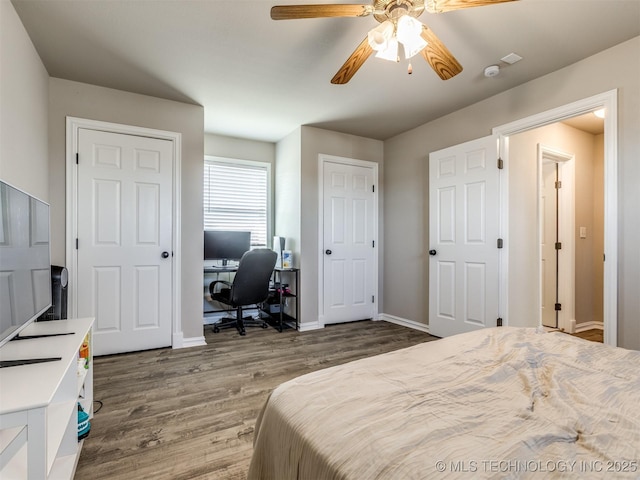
(398,24)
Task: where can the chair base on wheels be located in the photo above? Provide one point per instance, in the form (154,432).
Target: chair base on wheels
(239,324)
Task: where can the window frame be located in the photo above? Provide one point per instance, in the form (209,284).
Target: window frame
(247,163)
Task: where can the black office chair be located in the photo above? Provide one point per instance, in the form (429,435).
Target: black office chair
(250,286)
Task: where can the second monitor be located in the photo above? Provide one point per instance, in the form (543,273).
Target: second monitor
(225,245)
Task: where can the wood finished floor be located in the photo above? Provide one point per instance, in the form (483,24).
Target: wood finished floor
(594,335)
(190,413)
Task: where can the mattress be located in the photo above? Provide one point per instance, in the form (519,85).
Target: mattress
(496,403)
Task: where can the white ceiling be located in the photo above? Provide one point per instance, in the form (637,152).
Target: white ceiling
(260,79)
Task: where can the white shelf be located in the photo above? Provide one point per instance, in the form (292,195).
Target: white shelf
(11,440)
(38,402)
(81,375)
(16,466)
(65,466)
(58,417)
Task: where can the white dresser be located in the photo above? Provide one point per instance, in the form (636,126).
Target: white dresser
(38,402)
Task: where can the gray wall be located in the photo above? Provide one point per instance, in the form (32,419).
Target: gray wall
(288,190)
(81,100)
(240,148)
(598,220)
(299,152)
(296,191)
(406,180)
(33,107)
(24,93)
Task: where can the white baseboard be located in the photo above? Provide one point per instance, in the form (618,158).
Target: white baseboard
(180,342)
(404,322)
(307,326)
(583,327)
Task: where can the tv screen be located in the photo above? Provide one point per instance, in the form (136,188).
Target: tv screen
(225,245)
(25,263)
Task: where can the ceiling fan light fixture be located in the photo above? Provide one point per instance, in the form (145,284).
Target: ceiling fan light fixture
(379,37)
(432,6)
(409,34)
(397,24)
(390,52)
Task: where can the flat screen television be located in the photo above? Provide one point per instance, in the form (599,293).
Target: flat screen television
(25,260)
(225,245)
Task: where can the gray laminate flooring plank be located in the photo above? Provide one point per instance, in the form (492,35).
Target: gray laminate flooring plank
(190,413)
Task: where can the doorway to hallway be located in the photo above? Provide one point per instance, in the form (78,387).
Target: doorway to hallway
(557,224)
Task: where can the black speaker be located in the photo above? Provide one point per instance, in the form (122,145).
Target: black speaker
(59,283)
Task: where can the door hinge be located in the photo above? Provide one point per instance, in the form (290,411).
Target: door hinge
(558,184)
(558,245)
(373,243)
(373,299)
(499,322)
(500,163)
(500,243)
(558,307)
(76,244)
(77,158)
(373,188)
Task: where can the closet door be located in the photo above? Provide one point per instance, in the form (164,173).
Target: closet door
(349,282)
(124,239)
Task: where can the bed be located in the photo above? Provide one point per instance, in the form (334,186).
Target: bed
(497,403)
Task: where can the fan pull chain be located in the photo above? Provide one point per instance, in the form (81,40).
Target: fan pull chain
(409,69)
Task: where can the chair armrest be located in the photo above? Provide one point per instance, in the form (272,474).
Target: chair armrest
(212,285)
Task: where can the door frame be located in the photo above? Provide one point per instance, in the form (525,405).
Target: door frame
(609,101)
(566,261)
(322,159)
(74,125)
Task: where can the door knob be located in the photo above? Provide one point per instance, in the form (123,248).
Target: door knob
(328,252)
(165,254)
(432,252)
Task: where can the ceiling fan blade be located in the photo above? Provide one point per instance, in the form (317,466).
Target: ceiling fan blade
(439,56)
(353,63)
(440,6)
(291,12)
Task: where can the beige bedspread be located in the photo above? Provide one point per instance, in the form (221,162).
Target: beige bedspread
(497,403)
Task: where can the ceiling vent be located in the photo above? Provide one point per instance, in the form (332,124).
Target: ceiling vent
(511,58)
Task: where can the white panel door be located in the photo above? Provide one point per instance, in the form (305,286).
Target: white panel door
(463,234)
(124,240)
(348,236)
(549,237)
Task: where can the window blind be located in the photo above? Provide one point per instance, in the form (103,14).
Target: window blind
(236,198)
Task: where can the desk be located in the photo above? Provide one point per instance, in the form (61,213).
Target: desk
(206,305)
(282,318)
(225,269)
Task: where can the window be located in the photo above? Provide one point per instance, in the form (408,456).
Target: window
(237,197)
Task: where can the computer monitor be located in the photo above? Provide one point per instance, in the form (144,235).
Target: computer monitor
(225,245)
